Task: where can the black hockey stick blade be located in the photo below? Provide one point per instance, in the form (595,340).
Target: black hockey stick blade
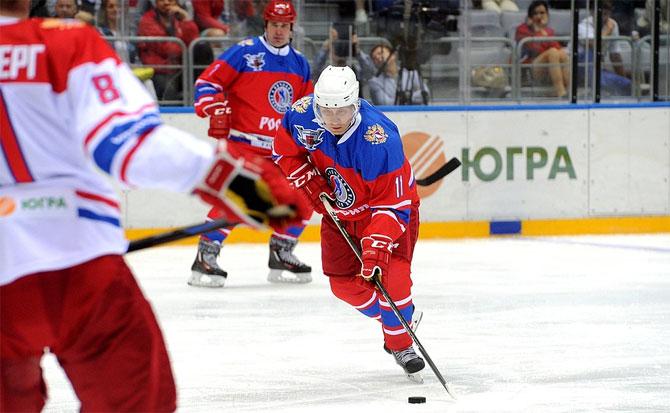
(444,170)
(177,234)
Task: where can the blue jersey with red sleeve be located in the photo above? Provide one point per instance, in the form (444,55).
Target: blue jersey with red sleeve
(261,83)
(366,166)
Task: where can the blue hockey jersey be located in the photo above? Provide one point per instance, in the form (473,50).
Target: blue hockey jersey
(366,167)
(261,83)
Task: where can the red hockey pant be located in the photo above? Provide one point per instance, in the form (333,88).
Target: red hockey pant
(342,267)
(96,321)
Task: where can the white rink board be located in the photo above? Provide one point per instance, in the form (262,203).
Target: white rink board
(630,151)
(619,165)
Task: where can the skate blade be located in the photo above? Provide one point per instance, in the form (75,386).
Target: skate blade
(415,377)
(207,281)
(287,277)
(416,320)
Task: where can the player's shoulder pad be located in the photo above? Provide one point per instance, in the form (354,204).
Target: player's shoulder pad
(302,105)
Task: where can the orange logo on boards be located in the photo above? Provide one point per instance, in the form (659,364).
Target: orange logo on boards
(53,23)
(426,155)
(7,206)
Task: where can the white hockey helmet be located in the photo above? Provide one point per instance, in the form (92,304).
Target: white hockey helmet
(337,87)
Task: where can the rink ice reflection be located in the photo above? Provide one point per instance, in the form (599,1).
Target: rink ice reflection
(564,324)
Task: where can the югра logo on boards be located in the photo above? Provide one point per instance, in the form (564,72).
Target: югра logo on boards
(426,154)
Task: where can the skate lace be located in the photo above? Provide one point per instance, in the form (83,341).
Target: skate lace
(208,255)
(288,257)
(405,356)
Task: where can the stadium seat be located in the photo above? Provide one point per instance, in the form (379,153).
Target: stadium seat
(510,20)
(560,21)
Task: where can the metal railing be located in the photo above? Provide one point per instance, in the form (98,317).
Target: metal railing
(454,67)
(185,63)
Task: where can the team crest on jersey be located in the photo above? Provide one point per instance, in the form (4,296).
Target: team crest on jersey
(344,195)
(246,42)
(309,138)
(255,61)
(301,105)
(375,134)
(281,96)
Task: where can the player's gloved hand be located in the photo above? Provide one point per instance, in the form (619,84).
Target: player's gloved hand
(208,105)
(218,110)
(376,255)
(311,182)
(219,124)
(250,189)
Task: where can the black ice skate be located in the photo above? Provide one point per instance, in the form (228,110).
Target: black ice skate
(205,272)
(415,376)
(410,362)
(284,266)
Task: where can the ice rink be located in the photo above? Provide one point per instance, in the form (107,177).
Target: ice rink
(563,324)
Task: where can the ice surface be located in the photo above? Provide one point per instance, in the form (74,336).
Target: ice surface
(565,324)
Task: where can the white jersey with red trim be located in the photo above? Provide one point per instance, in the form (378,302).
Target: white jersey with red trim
(70,108)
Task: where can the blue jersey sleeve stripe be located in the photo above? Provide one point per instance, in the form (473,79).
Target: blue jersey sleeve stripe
(120,135)
(88,214)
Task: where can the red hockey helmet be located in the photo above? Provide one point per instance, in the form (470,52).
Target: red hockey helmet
(280,11)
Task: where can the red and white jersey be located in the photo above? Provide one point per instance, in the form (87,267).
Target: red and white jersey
(70,108)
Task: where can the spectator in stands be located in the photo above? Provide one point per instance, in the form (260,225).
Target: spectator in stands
(644,22)
(383,75)
(66,9)
(548,57)
(500,5)
(334,51)
(350,11)
(207,15)
(616,83)
(108,26)
(167,19)
(249,15)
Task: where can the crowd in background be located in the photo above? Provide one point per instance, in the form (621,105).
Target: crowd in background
(389,70)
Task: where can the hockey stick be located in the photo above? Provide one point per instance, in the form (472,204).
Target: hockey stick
(444,170)
(382,289)
(177,234)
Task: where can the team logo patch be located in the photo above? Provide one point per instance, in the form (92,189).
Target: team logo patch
(255,61)
(281,96)
(309,138)
(344,195)
(302,104)
(246,42)
(375,134)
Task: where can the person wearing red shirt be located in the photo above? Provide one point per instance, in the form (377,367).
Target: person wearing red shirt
(206,16)
(548,57)
(167,19)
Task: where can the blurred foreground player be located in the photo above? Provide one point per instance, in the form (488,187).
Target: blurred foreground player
(332,142)
(68,104)
(245,93)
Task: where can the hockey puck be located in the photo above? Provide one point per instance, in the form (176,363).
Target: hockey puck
(416,399)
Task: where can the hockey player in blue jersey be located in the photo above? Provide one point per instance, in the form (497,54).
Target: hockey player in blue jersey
(332,142)
(244,93)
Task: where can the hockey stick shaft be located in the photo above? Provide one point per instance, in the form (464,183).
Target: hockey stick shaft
(444,170)
(387,297)
(177,234)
